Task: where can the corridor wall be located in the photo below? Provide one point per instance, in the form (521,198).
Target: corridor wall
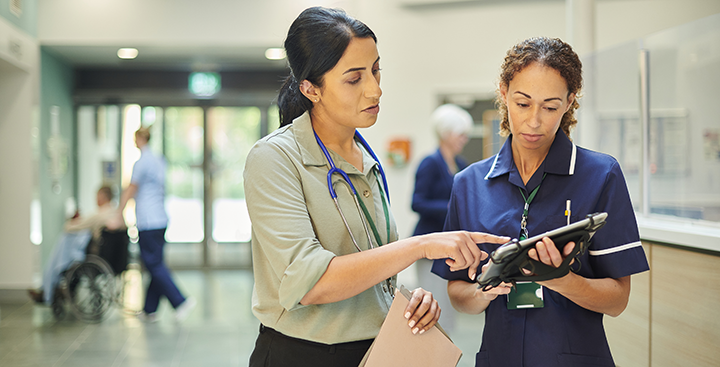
(19,71)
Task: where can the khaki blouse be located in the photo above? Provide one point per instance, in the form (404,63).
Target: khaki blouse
(296,231)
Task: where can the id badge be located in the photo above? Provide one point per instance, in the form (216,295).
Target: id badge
(525,295)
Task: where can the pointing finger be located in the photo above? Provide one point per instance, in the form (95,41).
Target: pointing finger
(480,237)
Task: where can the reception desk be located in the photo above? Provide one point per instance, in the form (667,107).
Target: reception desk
(673,317)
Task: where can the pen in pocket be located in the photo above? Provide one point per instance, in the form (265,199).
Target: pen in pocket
(567,211)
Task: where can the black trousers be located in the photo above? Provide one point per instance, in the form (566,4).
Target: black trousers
(273,349)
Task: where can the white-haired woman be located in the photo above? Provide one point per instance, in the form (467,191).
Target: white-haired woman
(433,184)
(434,177)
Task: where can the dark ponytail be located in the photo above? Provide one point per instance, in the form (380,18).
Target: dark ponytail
(291,102)
(316,41)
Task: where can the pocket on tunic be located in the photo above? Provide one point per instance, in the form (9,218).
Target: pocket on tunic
(557,221)
(482,359)
(577,360)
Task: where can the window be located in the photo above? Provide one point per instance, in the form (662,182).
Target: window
(684,130)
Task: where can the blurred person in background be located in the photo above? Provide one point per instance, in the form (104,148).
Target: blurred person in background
(72,245)
(147,186)
(433,184)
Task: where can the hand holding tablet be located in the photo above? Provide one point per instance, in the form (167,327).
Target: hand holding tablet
(506,263)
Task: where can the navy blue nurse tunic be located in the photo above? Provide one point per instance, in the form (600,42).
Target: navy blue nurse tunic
(486,198)
(433,185)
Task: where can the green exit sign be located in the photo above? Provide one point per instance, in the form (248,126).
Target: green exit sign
(204,84)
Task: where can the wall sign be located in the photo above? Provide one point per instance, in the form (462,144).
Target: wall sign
(204,84)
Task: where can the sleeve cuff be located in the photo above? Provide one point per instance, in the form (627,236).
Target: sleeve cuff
(301,276)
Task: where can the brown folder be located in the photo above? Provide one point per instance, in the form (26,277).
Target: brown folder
(397,346)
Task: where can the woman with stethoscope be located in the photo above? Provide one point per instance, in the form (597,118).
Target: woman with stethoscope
(324,243)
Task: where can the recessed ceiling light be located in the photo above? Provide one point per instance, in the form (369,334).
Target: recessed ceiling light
(127,53)
(275,53)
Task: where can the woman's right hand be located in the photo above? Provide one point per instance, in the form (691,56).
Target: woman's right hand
(459,248)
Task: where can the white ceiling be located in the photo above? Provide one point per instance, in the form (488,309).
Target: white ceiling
(169,34)
(190,35)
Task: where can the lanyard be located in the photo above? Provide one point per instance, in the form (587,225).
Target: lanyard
(387,286)
(370,221)
(528,200)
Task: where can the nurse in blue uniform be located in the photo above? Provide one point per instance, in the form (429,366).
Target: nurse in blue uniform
(540,168)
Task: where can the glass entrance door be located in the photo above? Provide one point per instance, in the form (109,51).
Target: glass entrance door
(205,150)
(182,134)
(232,132)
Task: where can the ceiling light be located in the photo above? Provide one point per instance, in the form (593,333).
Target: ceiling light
(127,53)
(275,53)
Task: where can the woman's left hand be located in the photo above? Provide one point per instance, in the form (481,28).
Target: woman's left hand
(547,253)
(422,311)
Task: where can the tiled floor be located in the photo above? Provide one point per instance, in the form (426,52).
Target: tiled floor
(220,331)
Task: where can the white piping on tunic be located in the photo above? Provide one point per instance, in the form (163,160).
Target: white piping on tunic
(572,159)
(615,249)
(492,167)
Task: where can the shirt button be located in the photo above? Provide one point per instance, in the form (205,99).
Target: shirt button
(366,193)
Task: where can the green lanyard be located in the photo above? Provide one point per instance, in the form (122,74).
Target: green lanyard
(528,200)
(387,286)
(371,222)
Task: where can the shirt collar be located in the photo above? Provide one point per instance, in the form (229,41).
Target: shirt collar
(559,161)
(311,153)
(561,158)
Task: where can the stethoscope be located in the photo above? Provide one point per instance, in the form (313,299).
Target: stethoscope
(366,220)
(358,204)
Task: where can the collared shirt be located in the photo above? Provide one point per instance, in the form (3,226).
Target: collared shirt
(433,184)
(296,231)
(149,176)
(486,199)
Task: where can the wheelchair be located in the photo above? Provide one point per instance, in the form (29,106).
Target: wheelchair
(90,288)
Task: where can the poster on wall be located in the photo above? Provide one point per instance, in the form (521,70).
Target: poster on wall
(711,144)
(57,149)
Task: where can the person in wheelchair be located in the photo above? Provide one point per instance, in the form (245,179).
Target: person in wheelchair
(83,234)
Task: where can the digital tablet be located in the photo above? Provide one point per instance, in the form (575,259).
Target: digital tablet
(507,260)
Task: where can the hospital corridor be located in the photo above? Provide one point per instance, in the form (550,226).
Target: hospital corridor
(221,331)
(191,183)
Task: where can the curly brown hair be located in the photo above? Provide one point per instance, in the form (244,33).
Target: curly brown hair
(550,52)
